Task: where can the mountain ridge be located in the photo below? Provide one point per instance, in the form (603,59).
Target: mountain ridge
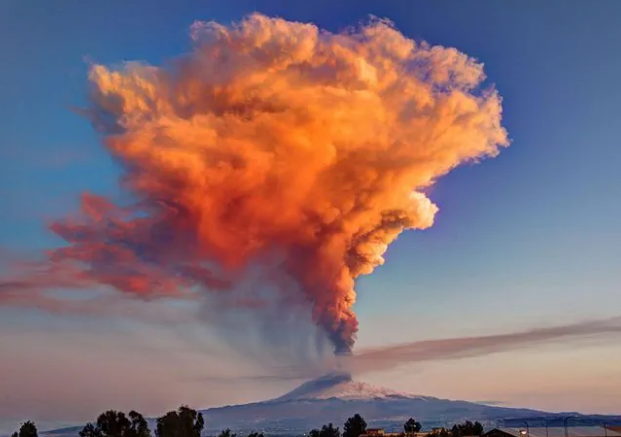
(340,386)
(336,396)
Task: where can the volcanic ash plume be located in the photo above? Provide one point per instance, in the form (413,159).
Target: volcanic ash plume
(275,138)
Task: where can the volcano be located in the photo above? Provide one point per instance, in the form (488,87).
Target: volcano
(339,386)
(337,396)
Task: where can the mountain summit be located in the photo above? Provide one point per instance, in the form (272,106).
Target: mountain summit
(340,386)
(336,396)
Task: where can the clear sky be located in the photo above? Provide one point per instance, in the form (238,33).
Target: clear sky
(530,238)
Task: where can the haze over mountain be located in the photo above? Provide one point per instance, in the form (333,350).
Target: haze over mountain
(335,397)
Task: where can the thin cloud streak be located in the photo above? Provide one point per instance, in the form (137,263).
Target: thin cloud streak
(389,357)
(386,358)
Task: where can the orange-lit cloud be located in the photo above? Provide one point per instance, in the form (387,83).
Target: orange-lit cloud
(271,139)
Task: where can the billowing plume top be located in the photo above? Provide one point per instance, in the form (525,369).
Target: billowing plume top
(274,137)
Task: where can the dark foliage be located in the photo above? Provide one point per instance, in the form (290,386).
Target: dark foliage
(467,428)
(28,429)
(355,426)
(185,422)
(412,425)
(113,424)
(139,426)
(326,431)
(90,430)
(116,424)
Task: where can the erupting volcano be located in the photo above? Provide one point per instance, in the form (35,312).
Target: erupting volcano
(271,146)
(341,386)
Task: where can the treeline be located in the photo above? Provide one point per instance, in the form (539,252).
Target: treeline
(465,429)
(186,422)
(356,426)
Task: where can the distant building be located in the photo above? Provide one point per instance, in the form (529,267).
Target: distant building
(570,431)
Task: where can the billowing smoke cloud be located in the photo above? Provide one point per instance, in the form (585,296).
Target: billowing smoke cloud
(273,140)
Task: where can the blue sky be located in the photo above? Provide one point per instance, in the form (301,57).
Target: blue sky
(529,238)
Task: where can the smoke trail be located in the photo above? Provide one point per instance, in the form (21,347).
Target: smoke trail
(270,140)
(390,357)
(384,358)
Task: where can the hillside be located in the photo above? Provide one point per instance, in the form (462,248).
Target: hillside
(335,397)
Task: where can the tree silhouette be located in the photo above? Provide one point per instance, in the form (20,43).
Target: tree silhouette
(329,431)
(90,430)
(326,431)
(477,429)
(255,434)
(139,426)
(467,429)
(354,426)
(114,424)
(227,433)
(412,425)
(28,429)
(185,422)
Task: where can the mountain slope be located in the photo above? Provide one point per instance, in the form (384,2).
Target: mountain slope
(341,386)
(335,397)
